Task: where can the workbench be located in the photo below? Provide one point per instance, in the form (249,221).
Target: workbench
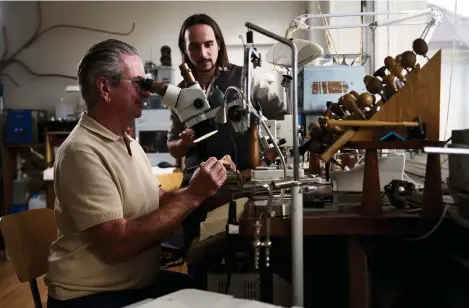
(352,225)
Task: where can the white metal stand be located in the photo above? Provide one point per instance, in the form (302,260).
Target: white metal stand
(297,197)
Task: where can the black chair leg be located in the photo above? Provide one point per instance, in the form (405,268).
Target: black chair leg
(35,293)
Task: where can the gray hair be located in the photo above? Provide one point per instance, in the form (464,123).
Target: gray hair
(102,59)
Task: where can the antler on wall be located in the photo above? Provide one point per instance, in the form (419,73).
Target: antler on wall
(12,59)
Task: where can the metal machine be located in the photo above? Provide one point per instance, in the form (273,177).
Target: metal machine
(191,104)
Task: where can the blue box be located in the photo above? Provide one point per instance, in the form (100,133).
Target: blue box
(319,84)
(19,126)
(17,208)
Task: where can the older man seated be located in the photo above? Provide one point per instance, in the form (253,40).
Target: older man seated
(111,213)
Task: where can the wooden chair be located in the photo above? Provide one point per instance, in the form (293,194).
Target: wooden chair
(28,237)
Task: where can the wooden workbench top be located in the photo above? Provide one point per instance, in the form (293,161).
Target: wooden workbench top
(320,222)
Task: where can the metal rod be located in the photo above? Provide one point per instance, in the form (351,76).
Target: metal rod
(359,26)
(306,16)
(399,19)
(248,79)
(297,197)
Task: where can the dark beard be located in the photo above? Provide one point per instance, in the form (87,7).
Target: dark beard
(206,70)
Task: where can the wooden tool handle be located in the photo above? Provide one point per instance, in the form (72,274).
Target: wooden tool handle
(253,149)
(186,74)
(337,145)
(369,123)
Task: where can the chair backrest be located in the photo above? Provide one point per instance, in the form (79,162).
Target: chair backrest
(28,237)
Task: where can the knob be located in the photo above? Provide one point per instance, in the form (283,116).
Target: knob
(365,100)
(336,109)
(420,47)
(366,79)
(198,103)
(354,93)
(389,81)
(350,104)
(399,59)
(374,85)
(408,59)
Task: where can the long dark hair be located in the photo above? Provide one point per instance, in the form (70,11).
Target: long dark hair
(202,19)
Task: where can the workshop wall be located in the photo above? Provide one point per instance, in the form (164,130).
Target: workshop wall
(156,24)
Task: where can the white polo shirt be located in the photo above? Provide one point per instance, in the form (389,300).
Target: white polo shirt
(98,177)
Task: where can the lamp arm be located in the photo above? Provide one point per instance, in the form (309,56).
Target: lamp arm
(395,20)
(299,23)
(436,17)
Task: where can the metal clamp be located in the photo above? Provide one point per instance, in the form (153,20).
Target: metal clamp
(266,243)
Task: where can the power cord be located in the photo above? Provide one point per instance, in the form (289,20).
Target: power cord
(432,230)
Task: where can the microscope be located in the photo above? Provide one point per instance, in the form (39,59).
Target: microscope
(193,107)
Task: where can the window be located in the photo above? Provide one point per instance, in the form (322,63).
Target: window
(451,37)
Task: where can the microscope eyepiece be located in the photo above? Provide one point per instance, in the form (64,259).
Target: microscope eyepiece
(146,84)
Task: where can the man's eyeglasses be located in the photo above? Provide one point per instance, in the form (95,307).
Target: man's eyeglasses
(136,80)
(141,82)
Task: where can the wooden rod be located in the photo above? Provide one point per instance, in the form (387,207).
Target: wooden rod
(369,123)
(337,145)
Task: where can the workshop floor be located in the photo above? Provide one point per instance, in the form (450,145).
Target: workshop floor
(14,294)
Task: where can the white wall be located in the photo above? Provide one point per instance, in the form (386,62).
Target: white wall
(346,40)
(157,24)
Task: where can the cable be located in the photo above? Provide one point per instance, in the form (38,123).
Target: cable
(432,230)
(451,68)
(327,33)
(453,50)
(463,222)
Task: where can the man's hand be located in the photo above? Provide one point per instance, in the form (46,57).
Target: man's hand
(228,162)
(208,179)
(186,138)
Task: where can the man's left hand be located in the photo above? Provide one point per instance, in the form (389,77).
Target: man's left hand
(228,162)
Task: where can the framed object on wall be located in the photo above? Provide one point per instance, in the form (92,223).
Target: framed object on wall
(319,84)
